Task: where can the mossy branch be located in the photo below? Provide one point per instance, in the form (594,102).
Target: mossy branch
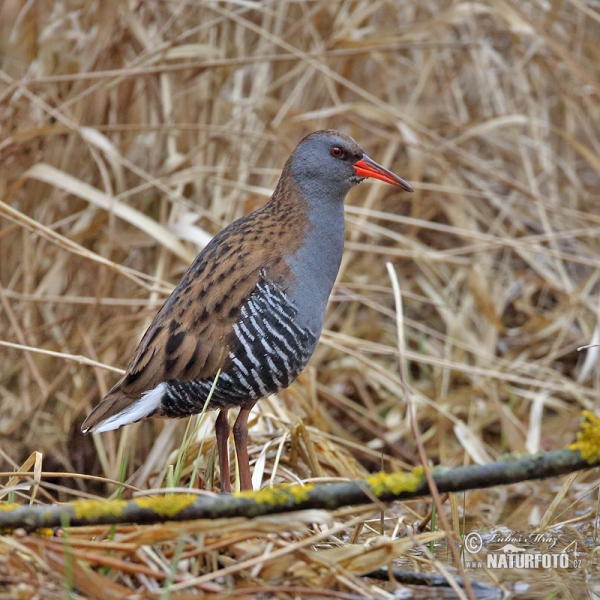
(585,453)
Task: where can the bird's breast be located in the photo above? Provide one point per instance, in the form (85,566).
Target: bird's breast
(315,265)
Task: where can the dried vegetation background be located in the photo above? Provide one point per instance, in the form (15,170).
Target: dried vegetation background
(131,132)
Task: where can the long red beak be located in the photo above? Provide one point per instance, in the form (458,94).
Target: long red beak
(366,167)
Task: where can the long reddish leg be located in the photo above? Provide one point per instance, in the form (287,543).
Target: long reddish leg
(222,430)
(240,437)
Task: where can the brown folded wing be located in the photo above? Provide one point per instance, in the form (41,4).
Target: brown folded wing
(190,337)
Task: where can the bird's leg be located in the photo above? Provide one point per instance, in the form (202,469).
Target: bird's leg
(240,437)
(222,430)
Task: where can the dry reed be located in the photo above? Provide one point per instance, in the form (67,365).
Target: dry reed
(130,133)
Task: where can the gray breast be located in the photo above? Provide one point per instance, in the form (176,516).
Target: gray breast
(316,263)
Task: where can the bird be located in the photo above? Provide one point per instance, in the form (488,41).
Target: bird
(247,315)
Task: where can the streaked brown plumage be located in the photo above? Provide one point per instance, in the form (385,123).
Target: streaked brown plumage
(251,305)
(190,337)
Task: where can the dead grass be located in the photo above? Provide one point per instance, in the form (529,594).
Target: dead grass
(132,132)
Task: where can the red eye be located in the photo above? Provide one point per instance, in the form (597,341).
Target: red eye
(337,152)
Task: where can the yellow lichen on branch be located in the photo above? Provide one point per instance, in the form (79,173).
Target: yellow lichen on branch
(588,439)
(395,483)
(278,495)
(92,509)
(166,506)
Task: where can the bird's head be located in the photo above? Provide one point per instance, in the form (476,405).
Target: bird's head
(330,163)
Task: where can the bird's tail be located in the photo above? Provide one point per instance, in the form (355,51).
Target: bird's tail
(118,409)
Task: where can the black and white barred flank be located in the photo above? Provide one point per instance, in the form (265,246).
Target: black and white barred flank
(271,351)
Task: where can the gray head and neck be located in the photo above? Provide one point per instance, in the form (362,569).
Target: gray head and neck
(322,181)
(325,166)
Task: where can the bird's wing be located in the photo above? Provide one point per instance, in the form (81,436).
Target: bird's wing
(191,336)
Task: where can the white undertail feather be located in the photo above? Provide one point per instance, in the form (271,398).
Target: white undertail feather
(148,403)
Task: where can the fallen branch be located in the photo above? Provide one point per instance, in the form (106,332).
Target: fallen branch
(583,454)
(435,581)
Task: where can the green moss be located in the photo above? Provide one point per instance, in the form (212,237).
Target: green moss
(395,483)
(167,506)
(278,495)
(92,509)
(588,439)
